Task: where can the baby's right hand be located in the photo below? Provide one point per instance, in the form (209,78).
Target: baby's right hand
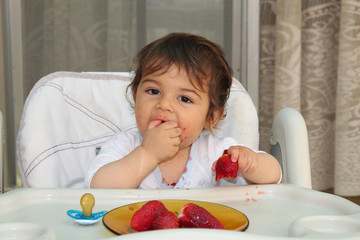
(162,139)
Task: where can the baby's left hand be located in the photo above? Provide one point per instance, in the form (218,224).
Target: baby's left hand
(246,158)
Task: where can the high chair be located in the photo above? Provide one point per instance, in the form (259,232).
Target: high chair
(68,116)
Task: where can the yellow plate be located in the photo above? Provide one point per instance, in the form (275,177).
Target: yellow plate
(118,220)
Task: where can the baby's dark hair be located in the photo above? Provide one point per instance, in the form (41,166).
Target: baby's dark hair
(203,61)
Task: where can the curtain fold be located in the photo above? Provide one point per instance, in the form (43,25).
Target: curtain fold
(347,135)
(287,55)
(315,61)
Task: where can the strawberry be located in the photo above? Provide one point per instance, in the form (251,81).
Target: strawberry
(194,216)
(143,218)
(225,168)
(165,220)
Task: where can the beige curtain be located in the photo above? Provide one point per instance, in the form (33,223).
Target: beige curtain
(81,35)
(310,60)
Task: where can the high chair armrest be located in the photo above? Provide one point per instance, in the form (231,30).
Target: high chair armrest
(289,140)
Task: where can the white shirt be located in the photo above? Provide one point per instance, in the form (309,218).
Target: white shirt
(197,174)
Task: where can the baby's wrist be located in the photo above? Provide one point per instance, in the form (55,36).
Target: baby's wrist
(150,155)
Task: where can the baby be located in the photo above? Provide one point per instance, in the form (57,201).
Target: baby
(181,85)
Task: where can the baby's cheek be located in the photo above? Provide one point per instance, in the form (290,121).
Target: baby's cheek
(184,134)
(142,126)
(188,136)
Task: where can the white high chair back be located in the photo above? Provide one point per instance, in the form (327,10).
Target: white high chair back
(68,116)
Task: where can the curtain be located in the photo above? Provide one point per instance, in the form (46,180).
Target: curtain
(81,35)
(105,35)
(310,60)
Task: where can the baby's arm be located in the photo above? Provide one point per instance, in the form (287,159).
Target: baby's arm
(127,172)
(256,167)
(160,142)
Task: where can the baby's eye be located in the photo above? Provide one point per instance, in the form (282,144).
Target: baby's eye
(153,91)
(185,99)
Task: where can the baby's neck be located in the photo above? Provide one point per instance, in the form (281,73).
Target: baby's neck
(172,169)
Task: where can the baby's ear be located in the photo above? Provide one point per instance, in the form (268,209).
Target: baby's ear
(212,121)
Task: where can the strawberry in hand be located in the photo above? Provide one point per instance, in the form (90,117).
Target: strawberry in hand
(225,168)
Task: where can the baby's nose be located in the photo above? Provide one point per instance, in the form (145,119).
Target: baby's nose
(166,104)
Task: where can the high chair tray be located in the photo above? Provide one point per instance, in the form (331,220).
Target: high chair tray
(274,212)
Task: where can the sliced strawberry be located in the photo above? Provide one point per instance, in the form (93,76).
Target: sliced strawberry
(165,220)
(194,216)
(225,168)
(143,218)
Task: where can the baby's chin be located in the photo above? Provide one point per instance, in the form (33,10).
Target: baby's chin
(185,142)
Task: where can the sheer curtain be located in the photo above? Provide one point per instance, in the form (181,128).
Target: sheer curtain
(105,35)
(82,35)
(310,60)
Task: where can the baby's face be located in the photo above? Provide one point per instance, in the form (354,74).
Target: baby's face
(170,96)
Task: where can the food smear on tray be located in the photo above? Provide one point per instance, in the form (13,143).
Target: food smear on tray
(154,215)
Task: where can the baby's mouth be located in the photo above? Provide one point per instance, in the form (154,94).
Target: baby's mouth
(158,122)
